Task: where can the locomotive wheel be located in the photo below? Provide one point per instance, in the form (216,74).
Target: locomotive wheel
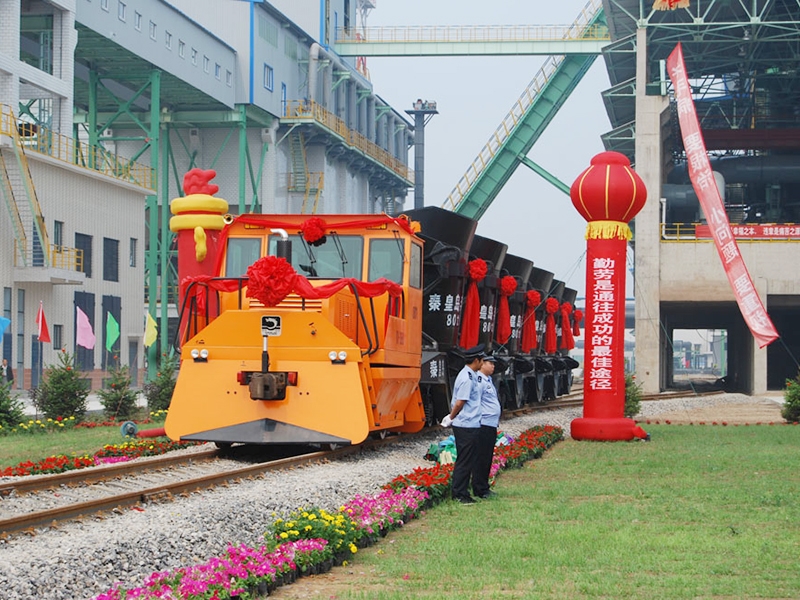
(223,445)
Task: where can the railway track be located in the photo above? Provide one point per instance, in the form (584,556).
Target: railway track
(150,480)
(163,477)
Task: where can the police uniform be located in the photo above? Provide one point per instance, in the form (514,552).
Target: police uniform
(466,427)
(487,436)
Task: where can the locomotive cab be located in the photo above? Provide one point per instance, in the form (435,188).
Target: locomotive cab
(339,356)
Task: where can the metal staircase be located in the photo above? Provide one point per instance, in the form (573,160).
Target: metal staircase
(300,179)
(32,245)
(525,122)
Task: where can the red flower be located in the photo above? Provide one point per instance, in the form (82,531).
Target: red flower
(533,298)
(551,306)
(477,269)
(313,229)
(508,285)
(271,279)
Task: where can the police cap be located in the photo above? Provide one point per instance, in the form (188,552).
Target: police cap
(474,352)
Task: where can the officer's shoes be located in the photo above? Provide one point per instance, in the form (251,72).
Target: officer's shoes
(465,500)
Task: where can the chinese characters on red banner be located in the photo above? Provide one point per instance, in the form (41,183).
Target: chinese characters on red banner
(604,305)
(750,305)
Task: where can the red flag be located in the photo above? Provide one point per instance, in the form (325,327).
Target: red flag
(44,333)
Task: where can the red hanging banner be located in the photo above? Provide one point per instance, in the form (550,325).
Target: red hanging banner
(750,305)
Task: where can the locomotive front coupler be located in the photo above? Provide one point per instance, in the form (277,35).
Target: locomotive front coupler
(266,385)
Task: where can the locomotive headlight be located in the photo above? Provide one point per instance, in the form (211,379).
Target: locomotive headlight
(204,354)
(332,355)
(199,355)
(195,353)
(342,355)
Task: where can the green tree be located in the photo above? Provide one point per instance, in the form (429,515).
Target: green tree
(11,409)
(633,396)
(159,391)
(63,391)
(791,400)
(118,400)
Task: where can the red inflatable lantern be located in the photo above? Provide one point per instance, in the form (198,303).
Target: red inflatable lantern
(608,195)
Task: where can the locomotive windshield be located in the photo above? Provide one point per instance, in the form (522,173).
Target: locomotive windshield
(386,260)
(338,256)
(241,253)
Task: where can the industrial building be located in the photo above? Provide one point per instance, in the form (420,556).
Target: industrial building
(106,104)
(742,64)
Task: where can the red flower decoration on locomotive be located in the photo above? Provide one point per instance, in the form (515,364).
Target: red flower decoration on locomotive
(313,231)
(477,269)
(271,279)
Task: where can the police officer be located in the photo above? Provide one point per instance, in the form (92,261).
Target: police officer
(487,436)
(465,417)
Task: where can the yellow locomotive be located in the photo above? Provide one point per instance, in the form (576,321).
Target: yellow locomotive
(295,329)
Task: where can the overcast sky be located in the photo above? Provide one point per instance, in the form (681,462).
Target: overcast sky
(535,219)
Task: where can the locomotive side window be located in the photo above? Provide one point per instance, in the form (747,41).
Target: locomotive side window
(338,256)
(242,252)
(385,260)
(415,268)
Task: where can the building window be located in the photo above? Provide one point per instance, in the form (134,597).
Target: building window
(121,10)
(269,77)
(58,235)
(168,40)
(58,336)
(137,21)
(132,252)
(228,78)
(217,71)
(84,242)
(104,5)
(153,30)
(206,63)
(181,48)
(110,259)
(194,57)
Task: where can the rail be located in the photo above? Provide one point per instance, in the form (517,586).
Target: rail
(61,257)
(44,141)
(303,110)
(743,232)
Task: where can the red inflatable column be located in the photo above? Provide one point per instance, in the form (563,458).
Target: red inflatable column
(197,222)
(608,194)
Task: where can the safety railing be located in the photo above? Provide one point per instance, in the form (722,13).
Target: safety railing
(61,257)
(743,232)
(43,140)
(298,110)
(471,33)
(520,107)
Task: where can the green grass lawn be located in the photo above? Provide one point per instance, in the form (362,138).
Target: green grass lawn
(698,512)
(16,448)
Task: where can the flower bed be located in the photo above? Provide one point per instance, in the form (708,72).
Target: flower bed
(109,453)
(313,540)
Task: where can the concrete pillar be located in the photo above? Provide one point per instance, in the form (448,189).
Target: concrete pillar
(647,286)
(65,38)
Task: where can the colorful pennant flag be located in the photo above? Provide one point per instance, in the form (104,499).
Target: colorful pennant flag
(41,322)
(112,331)
(84,336)
(4,323)
(150,331)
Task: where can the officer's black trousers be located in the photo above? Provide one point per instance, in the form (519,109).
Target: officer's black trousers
(466,460)
(487,437)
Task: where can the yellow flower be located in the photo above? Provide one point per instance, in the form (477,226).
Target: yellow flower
(284,535)
(311,517)
(307,528)
(353,548)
